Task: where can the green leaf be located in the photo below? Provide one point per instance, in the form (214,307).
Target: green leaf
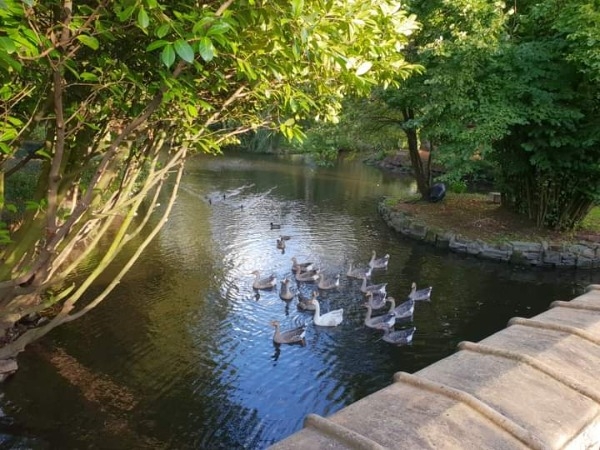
(156,44)
(297,6)
(184,50)
(88,76)
(7,44)
(89,41)
(142,19)
(206,49)
(192,111)
(218,28)
(43,153)
(163,30)
(167,56)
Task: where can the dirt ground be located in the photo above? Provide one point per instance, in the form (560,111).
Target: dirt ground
(478,217)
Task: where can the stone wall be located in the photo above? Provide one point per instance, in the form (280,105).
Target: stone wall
(585,255)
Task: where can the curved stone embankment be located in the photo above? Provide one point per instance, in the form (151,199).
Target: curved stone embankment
(544,254)
(533,385)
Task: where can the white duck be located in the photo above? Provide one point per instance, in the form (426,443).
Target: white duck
(373,287)
(404,310)
(264,283)
(328,283)
(421,294)
(358,272)
(330,319)
(400,337)
(379,322)
(379,263)
(285,293)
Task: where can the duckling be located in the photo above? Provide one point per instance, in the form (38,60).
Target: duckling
(305,304)
(404,310)
(400,337)
(330,319)
(379,263)
(310,276)
(265,283)
(373,287)
(275,226)
(293,336)
(421,294)
(304,266)
(380,322)
(328,283)
(358,272)
(376,299)
(285,293)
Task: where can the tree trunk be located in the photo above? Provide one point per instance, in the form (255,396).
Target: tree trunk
(421,173)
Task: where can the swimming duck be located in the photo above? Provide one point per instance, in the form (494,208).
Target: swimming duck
(280,244)
(421,294)
(265,283)
(328,283)
(310,276)
(275,226)
(330,319)
(305,304)
(293,336)
(358,272)
(304,266)
(404,310)
(379,263)
(285,293)
(373,287)
(400,337)
(380,322)
(285,237)
(376,299)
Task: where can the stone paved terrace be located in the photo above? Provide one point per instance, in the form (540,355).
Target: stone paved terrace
(533,385)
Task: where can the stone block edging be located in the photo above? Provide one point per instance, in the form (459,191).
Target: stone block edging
(581,255)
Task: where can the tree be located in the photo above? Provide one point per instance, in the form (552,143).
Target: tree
(549,158)
(118,93)
(456,39)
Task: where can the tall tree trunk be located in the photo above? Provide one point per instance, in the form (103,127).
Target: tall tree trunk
(421,173)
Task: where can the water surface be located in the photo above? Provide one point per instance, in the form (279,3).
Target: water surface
(181,355)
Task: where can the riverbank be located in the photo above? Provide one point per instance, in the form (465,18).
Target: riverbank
(475,225)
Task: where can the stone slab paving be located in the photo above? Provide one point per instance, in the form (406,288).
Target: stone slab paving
(533,385)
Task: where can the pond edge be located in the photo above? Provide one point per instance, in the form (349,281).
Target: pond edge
(579,255)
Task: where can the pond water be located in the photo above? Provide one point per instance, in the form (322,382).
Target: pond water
(181,355)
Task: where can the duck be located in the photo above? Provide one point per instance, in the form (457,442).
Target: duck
(275,226)
(265,283)
(380,322)
(358,272)
(293,336)
(310,276)
(404,310)
(400,337)
(330,319)
(284,237)
(304,266)
(328,283)
(285,293)
(376,299)
(305,304)
(421,294)
(280,244)
(373,287)
(379,263)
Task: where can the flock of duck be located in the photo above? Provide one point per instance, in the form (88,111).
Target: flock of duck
(375,294)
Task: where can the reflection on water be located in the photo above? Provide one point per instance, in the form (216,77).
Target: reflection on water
(190,342)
